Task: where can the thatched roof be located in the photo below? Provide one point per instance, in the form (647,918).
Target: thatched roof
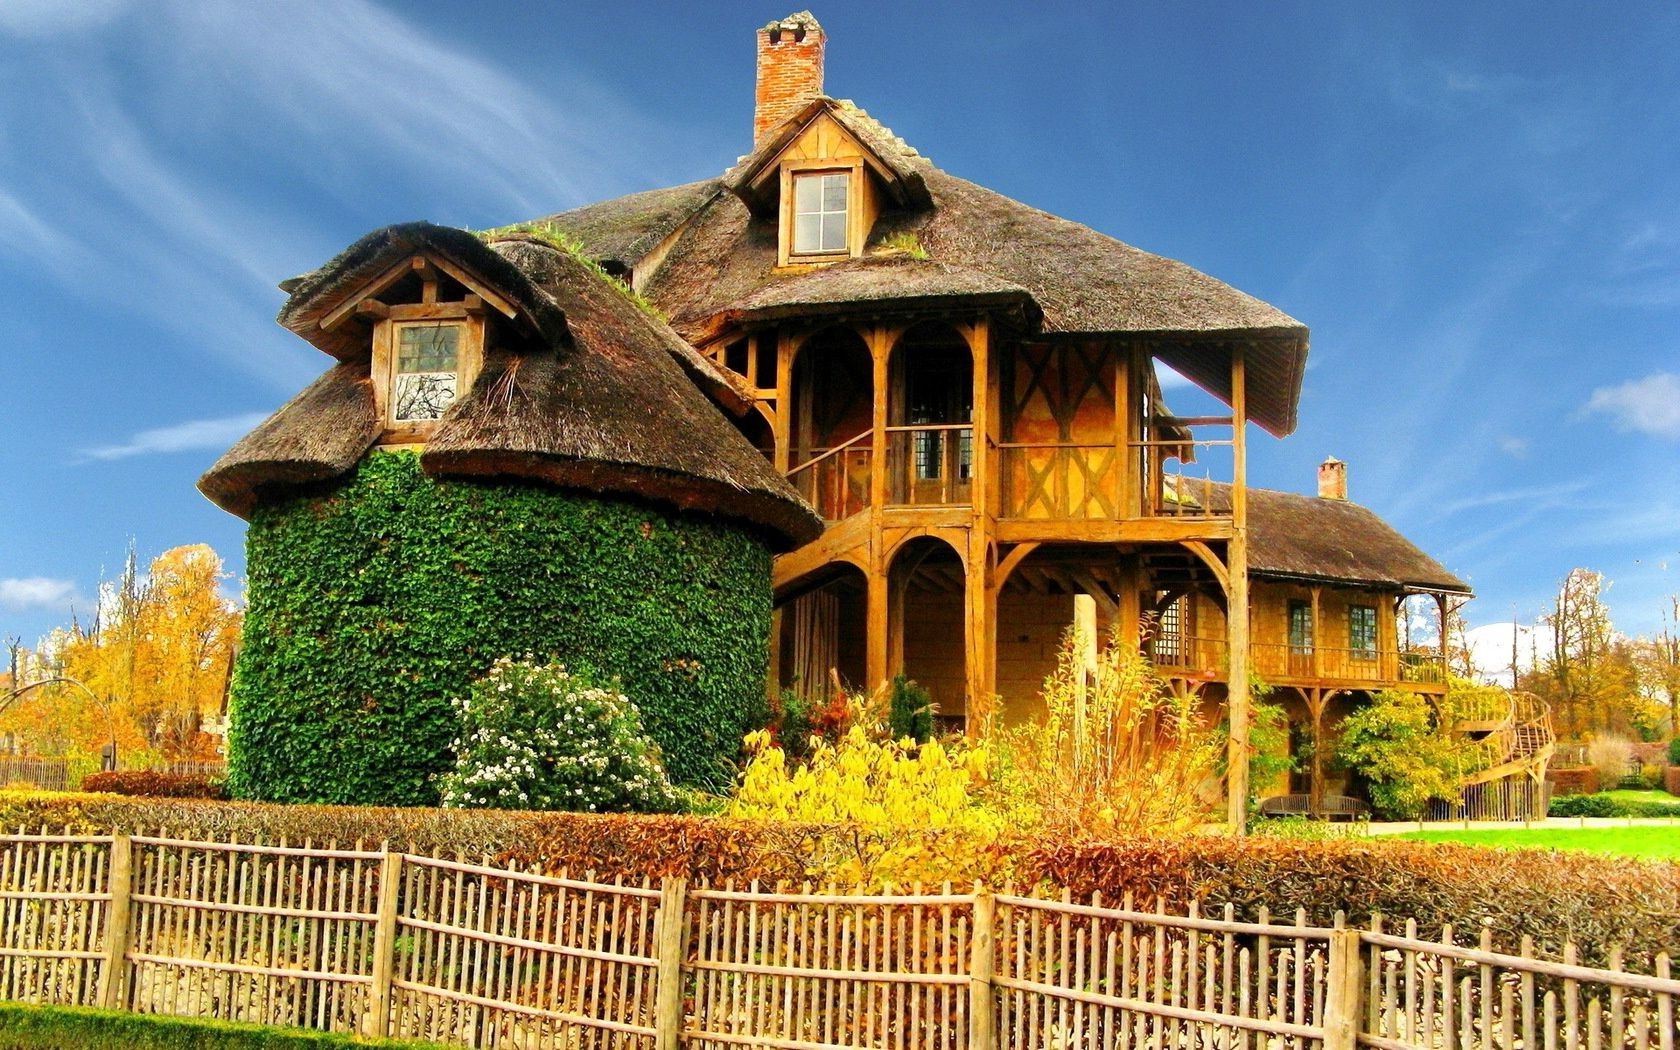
(320,292)
(613,413)
(621,231)
(598,403)
(1080,281)
(1330,540)
(316,436)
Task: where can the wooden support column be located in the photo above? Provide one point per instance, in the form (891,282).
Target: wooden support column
(1317,633)
(980,601)
(879,630)
(1129,500)
(1236,620)
(1316,699)
(883,631)
(1444,610)
(785,346)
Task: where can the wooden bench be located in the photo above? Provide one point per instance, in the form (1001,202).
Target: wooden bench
(1331,807)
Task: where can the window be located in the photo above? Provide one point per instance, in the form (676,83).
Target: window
(426,371)
(1300,628)
(820,213)
(1168,643)
(1362,631)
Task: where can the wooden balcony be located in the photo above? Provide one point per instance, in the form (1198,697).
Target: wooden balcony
(1043,491)
(1202,658)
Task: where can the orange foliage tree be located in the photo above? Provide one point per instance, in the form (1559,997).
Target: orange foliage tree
(154,662)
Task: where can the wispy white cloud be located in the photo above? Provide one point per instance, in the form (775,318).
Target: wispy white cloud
(35,592)
(317,94)
(1646,406)
(181,437)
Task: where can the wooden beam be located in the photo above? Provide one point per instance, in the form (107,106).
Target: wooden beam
(1236,620)
(1124,530)
(372,310)
(372,288)
(1205,555)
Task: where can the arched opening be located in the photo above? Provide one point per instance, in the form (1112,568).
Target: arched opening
(925,602)
(1045,595)
(930,419)
(822,635)
(830,425)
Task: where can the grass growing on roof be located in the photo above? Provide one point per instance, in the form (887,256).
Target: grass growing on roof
(555,237)
(1646,843)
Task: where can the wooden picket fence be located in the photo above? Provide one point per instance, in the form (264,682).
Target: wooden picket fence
(387,943)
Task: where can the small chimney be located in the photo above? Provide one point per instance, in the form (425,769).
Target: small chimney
(790,70)
(1332,479)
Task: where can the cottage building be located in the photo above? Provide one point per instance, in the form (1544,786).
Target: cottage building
(960,388)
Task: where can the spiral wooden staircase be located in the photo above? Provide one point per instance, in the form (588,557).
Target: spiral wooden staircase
(1510,741)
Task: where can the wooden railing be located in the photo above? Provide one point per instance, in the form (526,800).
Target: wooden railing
(929,465)
(836,480)
(1275,661)
(383,943)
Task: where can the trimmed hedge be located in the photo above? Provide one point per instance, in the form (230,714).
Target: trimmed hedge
(25,1027)
(151,784)
(1573,780)
(1603,805)
(1553,896)
(375,604)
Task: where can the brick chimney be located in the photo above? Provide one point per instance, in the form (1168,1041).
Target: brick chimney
(790,70)
(1332,479)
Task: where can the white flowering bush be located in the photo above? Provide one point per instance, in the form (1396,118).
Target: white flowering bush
(537,736)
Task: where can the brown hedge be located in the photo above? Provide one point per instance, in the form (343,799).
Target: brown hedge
(150,784)
(1593,901)
(1573,780)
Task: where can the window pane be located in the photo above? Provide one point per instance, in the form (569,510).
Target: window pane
(807,233)
(834,193)
(422,396)
(834,232)
(807,194)
(427,348)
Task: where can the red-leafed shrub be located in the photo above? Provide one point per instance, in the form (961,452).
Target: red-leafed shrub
(149,784)
(1573,780)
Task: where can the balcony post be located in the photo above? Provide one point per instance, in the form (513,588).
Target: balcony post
(1236,620)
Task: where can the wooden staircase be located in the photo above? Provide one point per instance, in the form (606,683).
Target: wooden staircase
(1509,778)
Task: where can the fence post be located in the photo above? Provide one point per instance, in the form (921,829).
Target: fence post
(378,1023)
(1343,997)
(112,975)
(982,1011)
(670,925)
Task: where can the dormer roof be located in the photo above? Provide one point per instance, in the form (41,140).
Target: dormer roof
(899,167)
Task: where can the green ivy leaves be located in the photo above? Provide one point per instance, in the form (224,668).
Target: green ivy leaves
(374,606)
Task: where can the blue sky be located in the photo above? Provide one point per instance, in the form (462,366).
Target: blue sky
(1475,207)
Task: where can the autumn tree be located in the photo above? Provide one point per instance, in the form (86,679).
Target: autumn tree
(154,661)
(1657,661)
(1587,672)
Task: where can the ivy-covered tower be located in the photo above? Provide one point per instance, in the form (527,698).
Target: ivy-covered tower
(512,454)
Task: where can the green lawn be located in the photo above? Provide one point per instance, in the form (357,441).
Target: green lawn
(1649,843)
(1632,795)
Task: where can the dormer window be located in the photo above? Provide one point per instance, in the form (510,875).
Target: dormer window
(820,213)
(426,371)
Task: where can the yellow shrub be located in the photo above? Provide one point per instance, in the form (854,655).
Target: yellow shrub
(877,810)
(1116,752)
